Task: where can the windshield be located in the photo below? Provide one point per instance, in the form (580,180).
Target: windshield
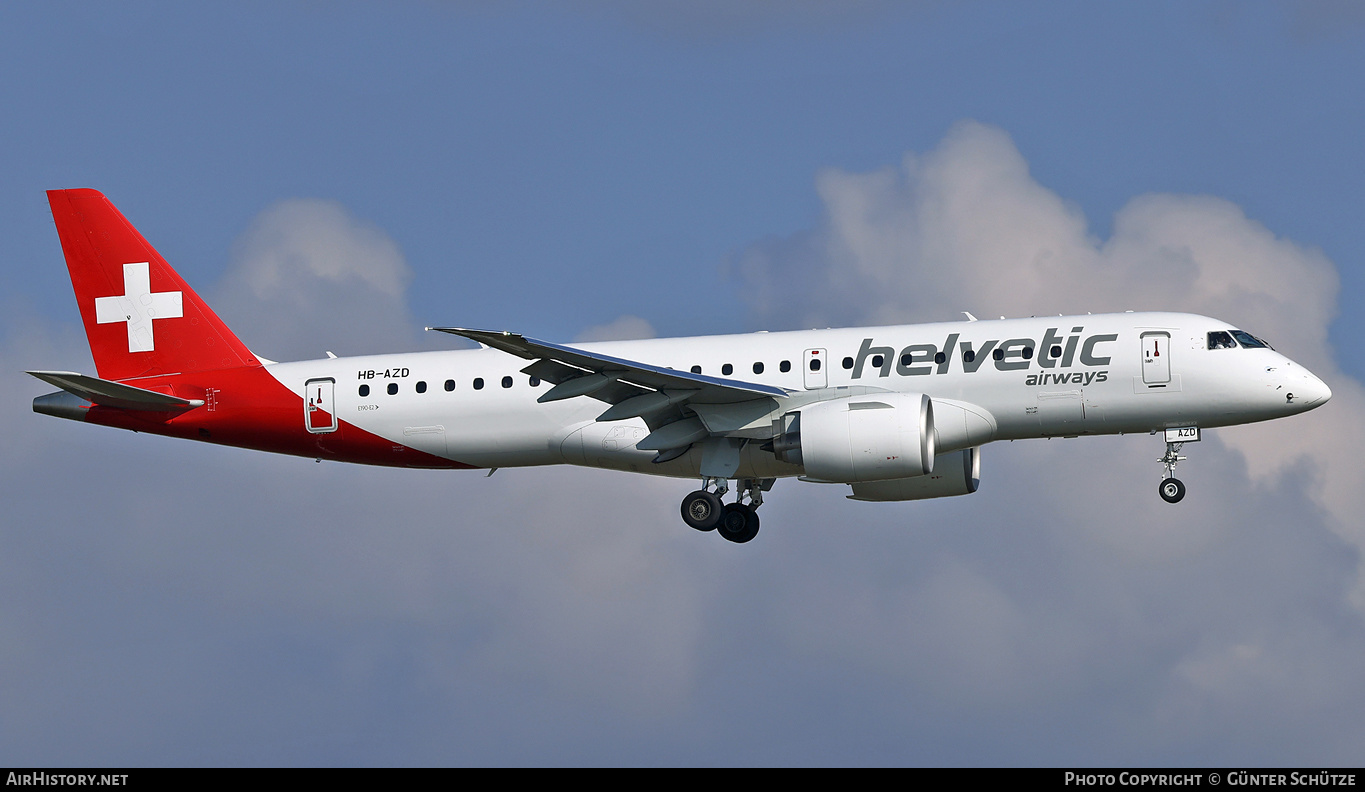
(1221,340)
(1250,341)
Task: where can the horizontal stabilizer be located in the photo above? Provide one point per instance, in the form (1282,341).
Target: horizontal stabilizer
(107,393)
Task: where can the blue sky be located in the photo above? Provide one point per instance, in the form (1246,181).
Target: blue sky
(550,168)
(648,145)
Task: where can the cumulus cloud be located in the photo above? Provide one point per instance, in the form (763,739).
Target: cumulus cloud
(966,227)
(307,276)
(1066,586)
(626,327)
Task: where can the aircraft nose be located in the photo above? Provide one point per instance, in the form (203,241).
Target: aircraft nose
(1312,392)
(1320,392)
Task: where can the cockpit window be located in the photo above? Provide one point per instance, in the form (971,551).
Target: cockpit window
(1250,341)
(1221,340)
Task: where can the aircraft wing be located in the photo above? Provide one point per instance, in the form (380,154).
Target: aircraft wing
(633,388)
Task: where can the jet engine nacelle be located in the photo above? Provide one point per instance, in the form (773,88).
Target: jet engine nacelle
(860,438)
(955,473)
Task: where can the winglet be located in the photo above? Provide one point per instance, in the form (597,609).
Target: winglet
(502,340)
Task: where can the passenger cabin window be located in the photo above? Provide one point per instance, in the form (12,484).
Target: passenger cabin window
(727,369)
(1056,351)
(848,363)
(507,382)
(535,382)
(478,383)
(784,366)
(364,390)
(393,388)
(696,369)
(1221,340)
(758,368)
(940,358)
(421,387)
(877,361)
(450,385)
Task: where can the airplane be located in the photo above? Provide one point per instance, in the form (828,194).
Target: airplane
(896,413)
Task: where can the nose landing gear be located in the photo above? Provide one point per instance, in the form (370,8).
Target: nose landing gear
(1172,489)
(738,521)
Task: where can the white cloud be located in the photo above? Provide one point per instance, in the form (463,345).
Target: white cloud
(623,328)
(966,227)
(307,277)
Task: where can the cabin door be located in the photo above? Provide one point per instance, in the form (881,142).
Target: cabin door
(319,406)
(1156,358)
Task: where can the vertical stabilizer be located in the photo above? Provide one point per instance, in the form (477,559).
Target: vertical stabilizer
(141,319)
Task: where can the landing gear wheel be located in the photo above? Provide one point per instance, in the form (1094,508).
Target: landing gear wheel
(702,510)
(738,523)
(1172,490)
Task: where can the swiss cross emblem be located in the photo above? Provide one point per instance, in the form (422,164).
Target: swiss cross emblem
(138,307)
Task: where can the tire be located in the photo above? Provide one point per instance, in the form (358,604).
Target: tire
(1172,490)
(738,523)
(702,510)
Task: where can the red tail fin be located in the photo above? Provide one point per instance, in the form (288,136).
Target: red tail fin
(141,319)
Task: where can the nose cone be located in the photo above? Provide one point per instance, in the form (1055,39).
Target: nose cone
(1313,392)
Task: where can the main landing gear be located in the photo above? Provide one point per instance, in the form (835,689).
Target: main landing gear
(738,521)
(1172,489)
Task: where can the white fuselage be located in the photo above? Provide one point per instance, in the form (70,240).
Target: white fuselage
(1035,377)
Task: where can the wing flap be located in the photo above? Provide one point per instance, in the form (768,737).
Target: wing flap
(552,371)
